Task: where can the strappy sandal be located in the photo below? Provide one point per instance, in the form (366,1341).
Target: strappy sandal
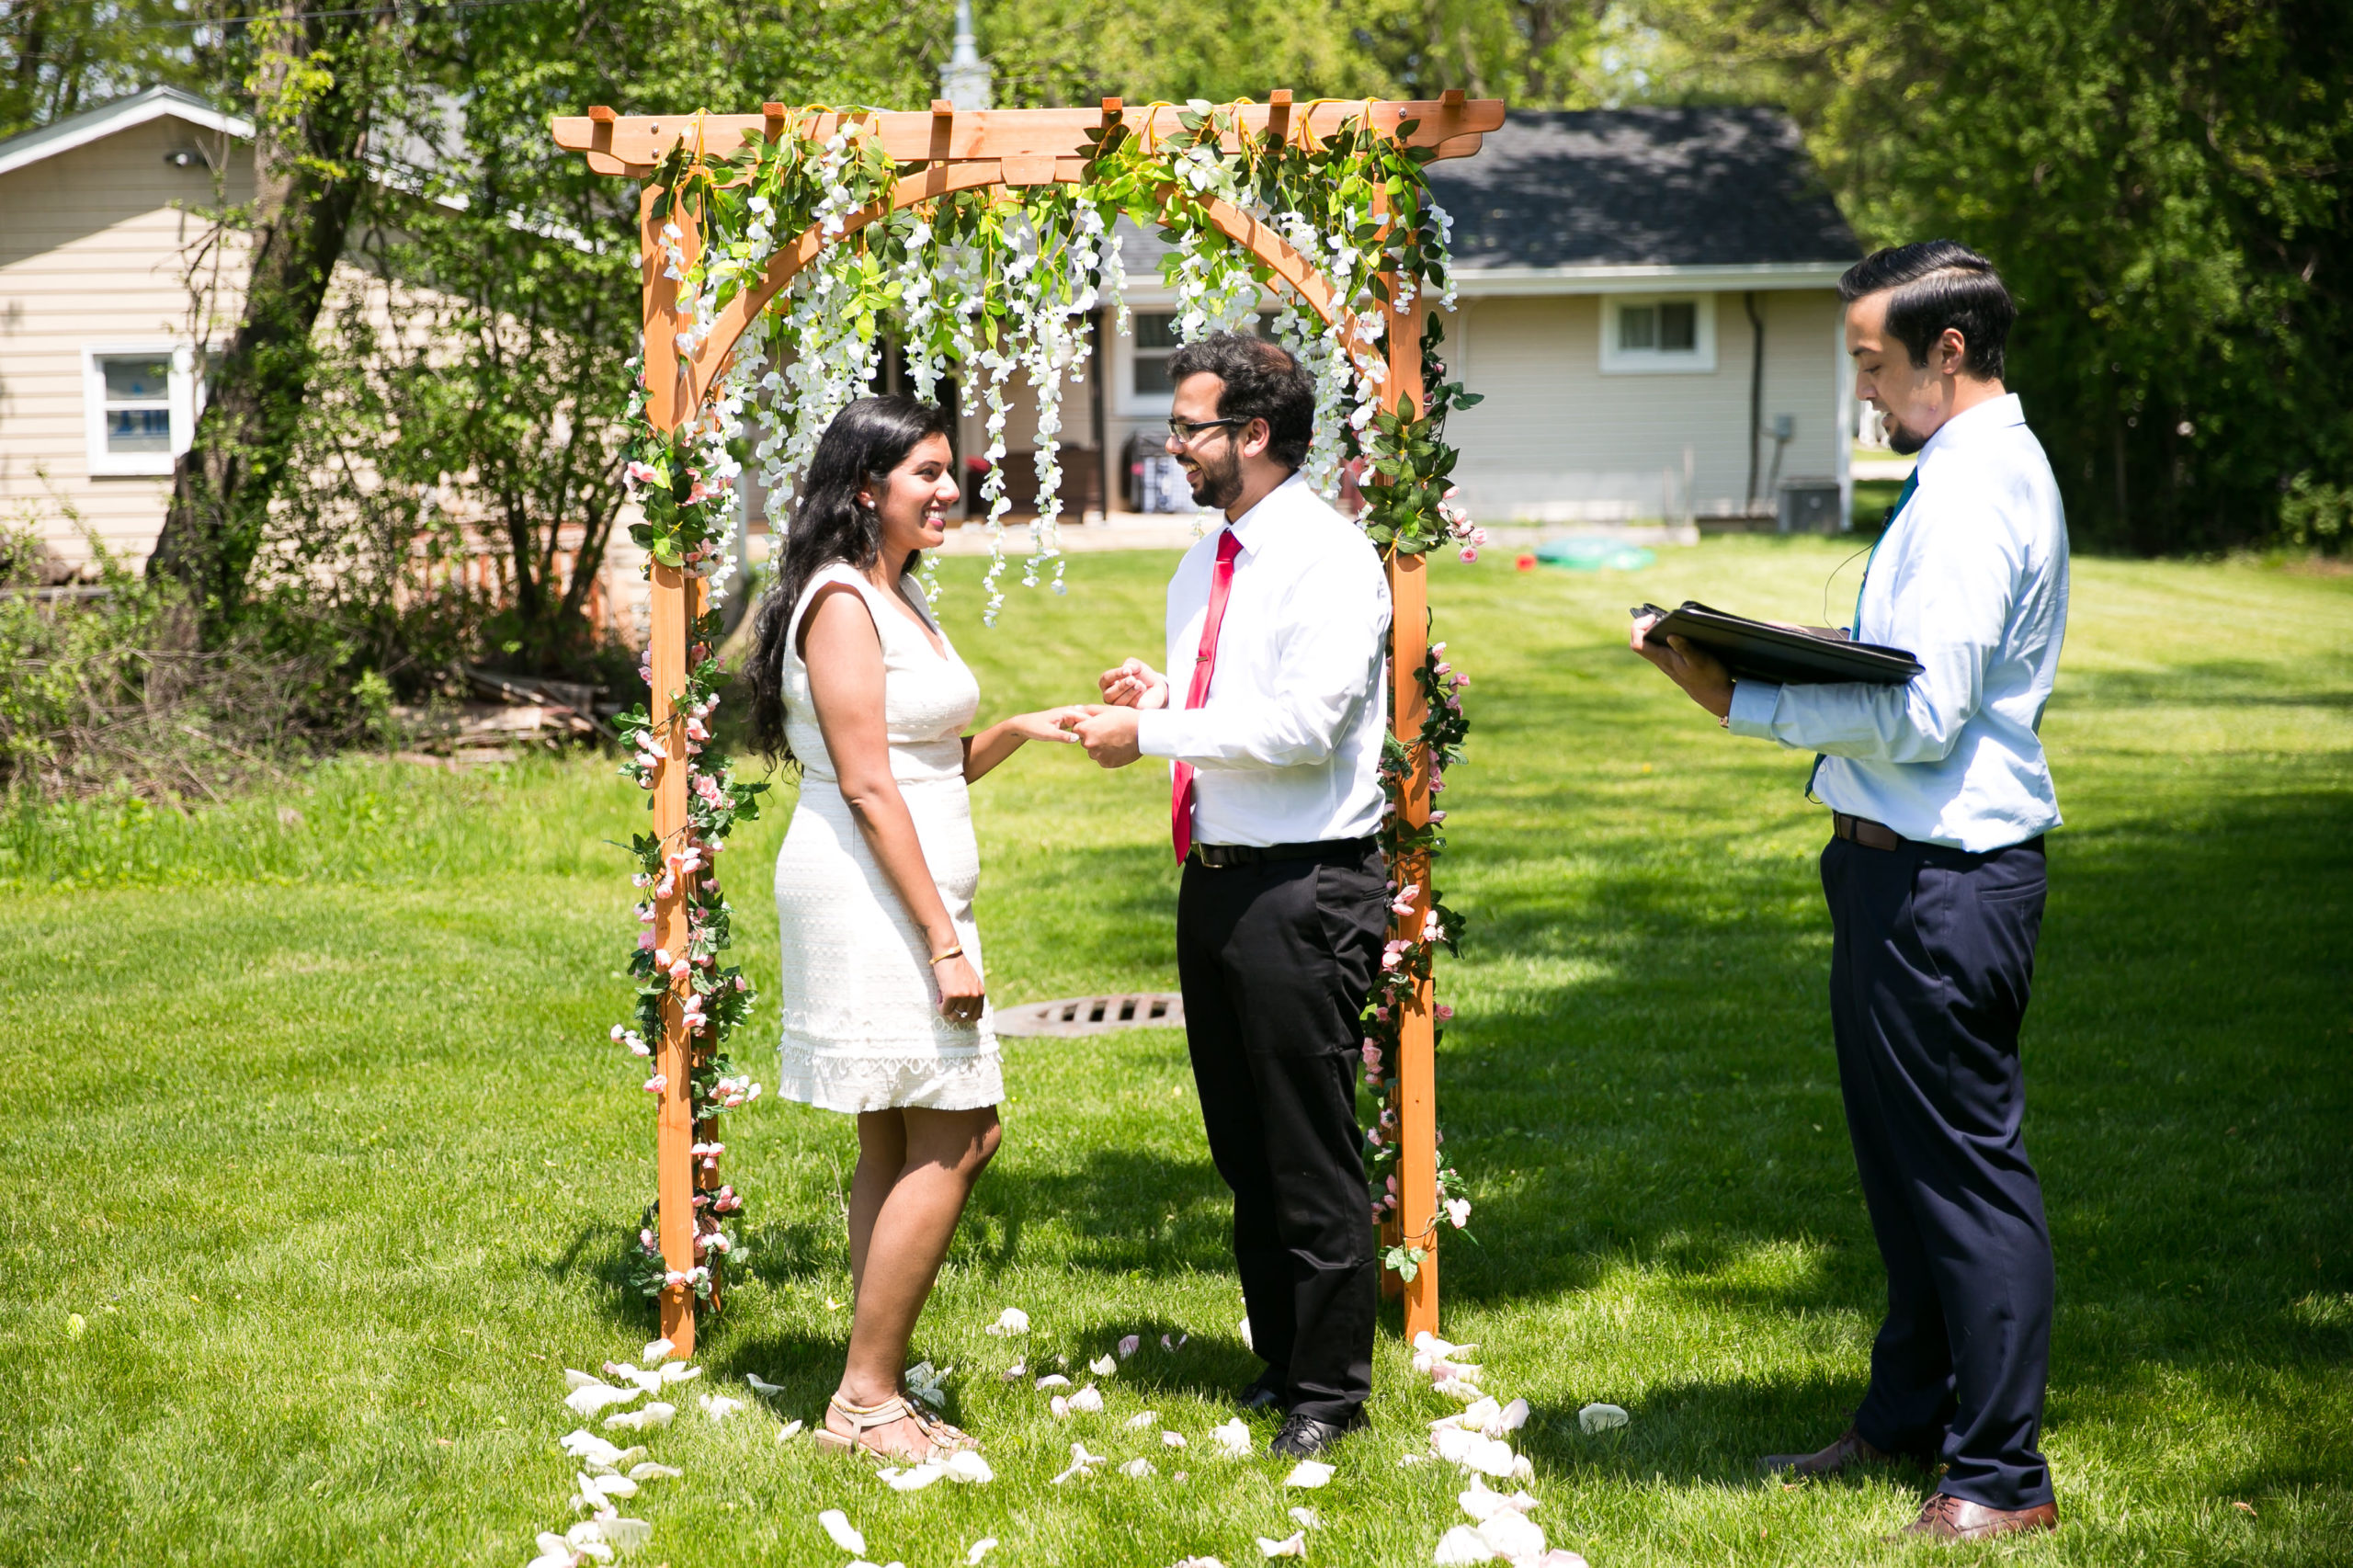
(864,1418)
(941,1436)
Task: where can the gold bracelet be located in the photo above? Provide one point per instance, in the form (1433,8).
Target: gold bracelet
(956,951)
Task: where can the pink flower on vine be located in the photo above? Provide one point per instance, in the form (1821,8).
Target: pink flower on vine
(739,983)
(645,941)
(643,473)
(1370,1050)
(1382,1012)
(1457,1209)
(679,970)
(656,1083)
(1443,1010)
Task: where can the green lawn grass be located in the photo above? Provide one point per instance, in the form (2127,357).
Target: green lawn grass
(311,1124)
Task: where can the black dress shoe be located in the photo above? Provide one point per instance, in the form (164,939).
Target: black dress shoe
(1258,1395)
(1303,1436)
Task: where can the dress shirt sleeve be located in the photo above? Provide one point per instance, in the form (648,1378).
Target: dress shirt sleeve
(1953,607)
(1330,660)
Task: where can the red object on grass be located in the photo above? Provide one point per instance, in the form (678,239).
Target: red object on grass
(1526,562)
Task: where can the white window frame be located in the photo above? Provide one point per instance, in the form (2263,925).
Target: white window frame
(1126,402)
(183,400)
(1699,359)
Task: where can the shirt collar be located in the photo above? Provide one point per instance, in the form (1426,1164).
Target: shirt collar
(2000,412)
(1256,527)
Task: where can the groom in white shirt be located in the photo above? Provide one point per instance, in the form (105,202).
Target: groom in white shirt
(1939,796)
(1277,628)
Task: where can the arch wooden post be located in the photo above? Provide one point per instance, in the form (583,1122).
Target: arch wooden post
(675,598)
(1416,1065)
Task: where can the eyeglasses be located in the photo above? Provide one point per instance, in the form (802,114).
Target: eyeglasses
(1183,431)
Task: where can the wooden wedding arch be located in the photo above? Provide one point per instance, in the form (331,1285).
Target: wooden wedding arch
(938,153)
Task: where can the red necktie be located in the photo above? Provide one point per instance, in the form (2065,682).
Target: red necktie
(1180,791)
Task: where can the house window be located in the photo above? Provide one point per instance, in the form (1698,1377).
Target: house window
(1155,341)
(137,396)
(1650,334)
(1151,339)
(141,407)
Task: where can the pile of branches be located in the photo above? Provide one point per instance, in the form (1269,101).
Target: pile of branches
(101,689)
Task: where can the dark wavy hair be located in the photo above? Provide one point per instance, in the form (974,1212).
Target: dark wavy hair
(862,446)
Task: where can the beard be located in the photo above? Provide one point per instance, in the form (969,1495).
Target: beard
(1217,485)
(1901,440)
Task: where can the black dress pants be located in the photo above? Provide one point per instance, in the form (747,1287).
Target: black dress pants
(1276,959)
(1931,960)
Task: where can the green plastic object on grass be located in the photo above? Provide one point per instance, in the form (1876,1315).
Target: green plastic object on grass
(1594,556)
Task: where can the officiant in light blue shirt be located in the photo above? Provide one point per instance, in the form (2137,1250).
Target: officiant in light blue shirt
(1939,796)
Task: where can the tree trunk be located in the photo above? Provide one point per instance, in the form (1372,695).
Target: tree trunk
(312,126)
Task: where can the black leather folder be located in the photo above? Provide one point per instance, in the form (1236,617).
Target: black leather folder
(1753,649)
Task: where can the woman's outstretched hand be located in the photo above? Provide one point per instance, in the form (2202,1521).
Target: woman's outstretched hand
(1047,724)
(960,990)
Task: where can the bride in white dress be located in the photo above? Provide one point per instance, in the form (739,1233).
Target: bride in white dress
(886,1012)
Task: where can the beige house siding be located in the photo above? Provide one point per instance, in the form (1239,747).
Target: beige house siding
(1560,439)
(91,254)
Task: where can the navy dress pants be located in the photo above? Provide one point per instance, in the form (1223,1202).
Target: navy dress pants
(1932,957)
(1275,960)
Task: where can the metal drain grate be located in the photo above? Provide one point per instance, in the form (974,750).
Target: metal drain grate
(1094,1014)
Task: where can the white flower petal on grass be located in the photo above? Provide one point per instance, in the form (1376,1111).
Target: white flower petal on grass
(1561,1557)
(910,1480)
(1060,1406)
(967,1466)
(789,1431)
(718,1406)
(1081,1463)
(653,1414)
(1310,1474)
(1014,1374)
(1171,1439)
(627,1534)
(1515,1536)
(1289,1546)
(1053,1381)
(1243,1328)
(654,1350)
(590,1398)
(761,1386)
(1232,1440)
(1103,1366)
(1088,1400)
(1139,1469)
(652,1471)
(1483,1505)
(1461,1545)
(614,1485)
(1461,1389)
(1200,1563)
(1142,1419)
(836,1524)
(589,1448)
(981,1548)
(1515,1416)
(1306,1519)
(576,1380)
(679,1372)
(1013,1320)
(1601,1418)
(1428,1344)
(1484,1415)
(1176,1344)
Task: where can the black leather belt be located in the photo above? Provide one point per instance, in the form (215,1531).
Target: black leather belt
(1218,856)
(1879,835)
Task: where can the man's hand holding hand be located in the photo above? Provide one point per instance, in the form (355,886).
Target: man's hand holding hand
(1135,685)
(1108,734)
(1700,673)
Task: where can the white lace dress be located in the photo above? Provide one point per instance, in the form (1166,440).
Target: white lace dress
(862,1029)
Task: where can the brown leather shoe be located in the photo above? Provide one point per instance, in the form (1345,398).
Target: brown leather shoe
(1848,1453)
(1947,1517)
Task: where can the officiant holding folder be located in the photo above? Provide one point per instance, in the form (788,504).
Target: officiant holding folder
(1939,796)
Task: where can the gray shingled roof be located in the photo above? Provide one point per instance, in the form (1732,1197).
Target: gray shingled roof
(1641,187)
